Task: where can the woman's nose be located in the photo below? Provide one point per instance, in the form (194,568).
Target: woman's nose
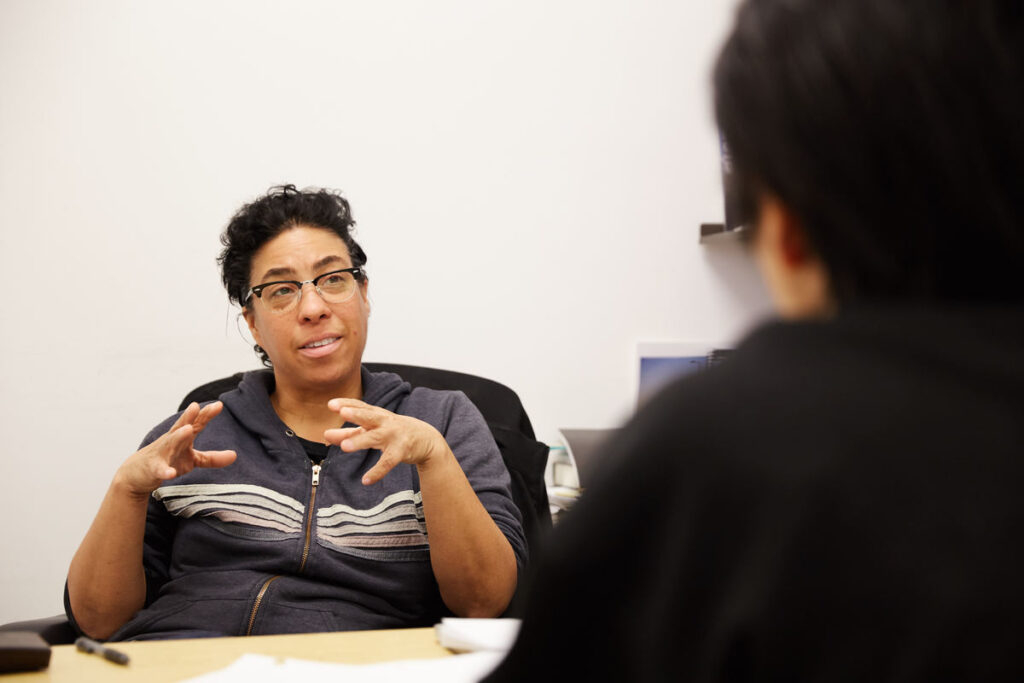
(311,304)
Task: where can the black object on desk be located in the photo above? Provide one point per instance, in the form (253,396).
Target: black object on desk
(23,651)
(97,648)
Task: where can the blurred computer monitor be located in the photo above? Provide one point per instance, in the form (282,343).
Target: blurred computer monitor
(658,363)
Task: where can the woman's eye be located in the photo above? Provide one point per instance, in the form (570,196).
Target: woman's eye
(281,291)
(333,281)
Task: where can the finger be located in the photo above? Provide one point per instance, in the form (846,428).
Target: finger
(369,416)
(158,469)
(187,416)
(378,471)
(180,437)
(214,458)
(206,414)
(337,404)
(344,405)
(363,440)
(161,466)
(336,436)
(177,449)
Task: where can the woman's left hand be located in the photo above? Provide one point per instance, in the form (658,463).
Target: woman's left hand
(399,438)
(473,562)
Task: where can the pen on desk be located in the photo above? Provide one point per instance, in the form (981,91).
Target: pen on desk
(92,647)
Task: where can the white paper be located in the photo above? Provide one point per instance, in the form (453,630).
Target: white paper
(475,635)
(253,668)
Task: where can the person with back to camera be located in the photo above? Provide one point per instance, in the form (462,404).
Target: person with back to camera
(316,496)
(840,499)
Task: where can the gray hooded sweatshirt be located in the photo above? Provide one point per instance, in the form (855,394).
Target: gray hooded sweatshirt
(274,544)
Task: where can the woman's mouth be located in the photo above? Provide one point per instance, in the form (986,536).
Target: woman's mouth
(321,342)
(320,347)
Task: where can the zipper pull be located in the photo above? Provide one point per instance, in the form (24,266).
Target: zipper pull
(316,475)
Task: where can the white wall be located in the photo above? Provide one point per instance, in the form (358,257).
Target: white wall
(528,179)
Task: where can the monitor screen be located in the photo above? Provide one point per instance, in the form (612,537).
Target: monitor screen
(660,363)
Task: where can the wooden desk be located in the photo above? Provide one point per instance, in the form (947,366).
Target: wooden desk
(171,660)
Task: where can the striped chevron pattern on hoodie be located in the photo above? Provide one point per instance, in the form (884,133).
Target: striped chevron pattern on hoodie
(241,509)
(393,529)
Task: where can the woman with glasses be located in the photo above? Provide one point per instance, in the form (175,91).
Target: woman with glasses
(304,499)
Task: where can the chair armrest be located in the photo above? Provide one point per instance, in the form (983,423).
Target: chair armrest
(54,630)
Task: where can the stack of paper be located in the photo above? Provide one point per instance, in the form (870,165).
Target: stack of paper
(474,635)
(486,639)
(252,668)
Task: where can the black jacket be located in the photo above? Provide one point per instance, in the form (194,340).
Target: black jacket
(838,500)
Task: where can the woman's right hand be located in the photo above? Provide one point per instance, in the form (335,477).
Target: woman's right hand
(106,581)
(173,454)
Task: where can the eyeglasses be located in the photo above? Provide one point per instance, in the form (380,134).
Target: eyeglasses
(334,287)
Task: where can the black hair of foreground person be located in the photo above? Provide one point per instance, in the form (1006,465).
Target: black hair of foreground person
(895,130)
(840,499)
(263,219)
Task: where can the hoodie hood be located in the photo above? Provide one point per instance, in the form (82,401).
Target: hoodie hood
(250,403)
(384,389)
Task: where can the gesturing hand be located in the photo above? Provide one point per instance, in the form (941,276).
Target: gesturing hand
(173,455)
(399,438)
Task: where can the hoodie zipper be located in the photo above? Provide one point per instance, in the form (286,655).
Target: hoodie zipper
(259,599)
(309,516)
(305,550)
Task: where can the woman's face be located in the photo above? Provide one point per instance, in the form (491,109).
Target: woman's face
(302,253)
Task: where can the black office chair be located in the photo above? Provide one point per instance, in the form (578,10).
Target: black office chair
(54,630)
(524,456)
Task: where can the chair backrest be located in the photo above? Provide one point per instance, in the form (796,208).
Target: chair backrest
(524,456)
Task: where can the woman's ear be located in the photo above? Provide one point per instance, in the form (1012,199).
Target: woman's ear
(250,320)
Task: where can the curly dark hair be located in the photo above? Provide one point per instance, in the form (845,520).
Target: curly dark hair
(281,208)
